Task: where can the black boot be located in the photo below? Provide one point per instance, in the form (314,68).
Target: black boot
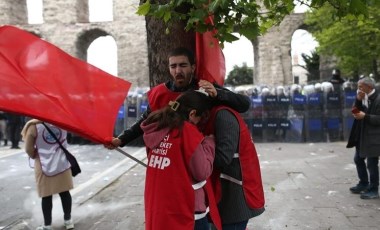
(5,142)
(371,193)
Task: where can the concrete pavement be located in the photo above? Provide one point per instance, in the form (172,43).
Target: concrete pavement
(306,187)
(6,150)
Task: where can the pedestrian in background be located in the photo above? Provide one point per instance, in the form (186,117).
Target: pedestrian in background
(3,127)
(365,137)
(14,126)
(51,167)
(336,80)
(180,159)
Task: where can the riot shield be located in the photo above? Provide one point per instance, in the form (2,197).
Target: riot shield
(283,103)
(296,116)
(314,131)
(333,117)
(257,118)
(270,117)
(349,100)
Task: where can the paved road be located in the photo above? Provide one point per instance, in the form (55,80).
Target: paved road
(19,201)
(306,187)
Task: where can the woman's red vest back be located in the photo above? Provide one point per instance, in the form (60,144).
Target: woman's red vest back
(249,162)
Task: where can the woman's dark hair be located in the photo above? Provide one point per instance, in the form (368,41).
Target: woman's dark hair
(174,114)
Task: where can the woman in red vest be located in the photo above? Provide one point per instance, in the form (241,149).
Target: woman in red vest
(237,176)
(180,159)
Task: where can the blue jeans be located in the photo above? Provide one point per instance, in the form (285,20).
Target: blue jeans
(202,224)
(373,169)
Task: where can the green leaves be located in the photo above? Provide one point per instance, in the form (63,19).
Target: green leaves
(167,16)
(229,37)
(250,32)
(143,9)
(240,75)
(353,39)
(245,17)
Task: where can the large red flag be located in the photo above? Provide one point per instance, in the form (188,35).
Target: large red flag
(210,59)
(39,80)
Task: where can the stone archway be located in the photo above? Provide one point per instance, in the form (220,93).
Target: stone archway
(273,64)
(85,39)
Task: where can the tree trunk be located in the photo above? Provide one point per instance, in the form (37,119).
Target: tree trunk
(374,68)
(160,44)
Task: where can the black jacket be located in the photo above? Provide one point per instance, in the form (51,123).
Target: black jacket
(365,133)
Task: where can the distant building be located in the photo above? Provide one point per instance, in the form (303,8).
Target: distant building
(299,73)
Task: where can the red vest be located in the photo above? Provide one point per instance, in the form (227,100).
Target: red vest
(160,96)
(249,163)
(169,195)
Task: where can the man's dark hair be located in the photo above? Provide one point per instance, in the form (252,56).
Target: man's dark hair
(182,51)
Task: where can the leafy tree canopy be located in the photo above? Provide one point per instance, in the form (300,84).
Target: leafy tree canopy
(312,66)
(240,75)
(354,41)
(249,18)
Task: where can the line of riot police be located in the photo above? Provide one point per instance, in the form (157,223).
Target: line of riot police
(318,112)
(312,113)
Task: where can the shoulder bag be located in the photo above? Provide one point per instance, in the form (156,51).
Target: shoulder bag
(75,169)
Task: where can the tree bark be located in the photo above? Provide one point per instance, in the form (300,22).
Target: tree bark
(375,71)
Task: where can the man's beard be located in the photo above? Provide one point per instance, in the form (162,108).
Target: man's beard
(181,80)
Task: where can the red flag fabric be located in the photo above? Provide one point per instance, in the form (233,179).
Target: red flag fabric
(209,57)
(39,80)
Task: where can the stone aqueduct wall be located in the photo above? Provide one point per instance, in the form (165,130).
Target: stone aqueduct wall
(66,25)
(272,58)
(272,54)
